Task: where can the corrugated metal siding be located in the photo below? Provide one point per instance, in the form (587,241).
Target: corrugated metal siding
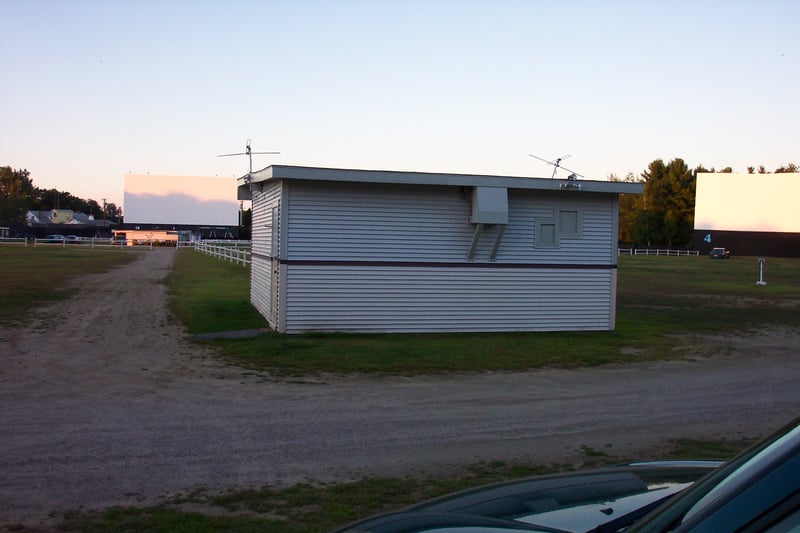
(406,227)
(335,221)
(388,299)
(262,252)
(369,222)
(595,245)
(260,286)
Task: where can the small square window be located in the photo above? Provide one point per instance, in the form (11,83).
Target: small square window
(546,234)
(569,223)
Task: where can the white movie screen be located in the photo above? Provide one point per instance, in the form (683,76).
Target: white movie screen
(170,200)
(748,202)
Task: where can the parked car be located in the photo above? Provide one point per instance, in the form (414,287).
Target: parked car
(720,253)
(759,490)
(72,239)
(54,239)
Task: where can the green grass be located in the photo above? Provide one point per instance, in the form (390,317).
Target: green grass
(306,507)
(424,353)
(658,298)
(698,295)
(33,276)
(211,295)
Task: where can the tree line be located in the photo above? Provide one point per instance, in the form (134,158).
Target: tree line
(664,213)
(18,195)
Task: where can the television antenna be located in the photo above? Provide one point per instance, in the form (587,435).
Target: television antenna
(557,164)
(249,153)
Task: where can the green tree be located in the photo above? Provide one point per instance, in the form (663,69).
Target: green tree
(113,213)
(16,188)
(648,224)
(47,199)
(629,206)
(246,229)
(791,167)
(18,194)
(668,203)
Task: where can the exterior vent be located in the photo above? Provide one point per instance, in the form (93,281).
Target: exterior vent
(489,205)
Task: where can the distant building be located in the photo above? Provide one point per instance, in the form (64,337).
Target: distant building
(380,251)
(171,234)
(66,221)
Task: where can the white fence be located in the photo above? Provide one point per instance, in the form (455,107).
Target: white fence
(234,251)
(229,243)
(14,241)
(80,242)
(91,243)
(650,251)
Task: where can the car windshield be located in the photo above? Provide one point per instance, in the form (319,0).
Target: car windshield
(729,479)
(741,475)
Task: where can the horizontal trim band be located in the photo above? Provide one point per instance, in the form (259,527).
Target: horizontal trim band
(433,264)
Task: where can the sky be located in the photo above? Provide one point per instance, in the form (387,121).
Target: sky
(92,90)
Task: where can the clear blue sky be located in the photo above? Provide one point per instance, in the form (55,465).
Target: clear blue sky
(94,89)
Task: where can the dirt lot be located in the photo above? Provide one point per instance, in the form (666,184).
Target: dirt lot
(104,401)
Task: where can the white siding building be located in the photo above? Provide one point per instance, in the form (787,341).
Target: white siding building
(379,251)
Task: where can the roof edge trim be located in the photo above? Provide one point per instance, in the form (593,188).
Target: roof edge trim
(431,178)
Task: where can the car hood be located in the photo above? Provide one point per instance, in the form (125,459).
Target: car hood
(579,501)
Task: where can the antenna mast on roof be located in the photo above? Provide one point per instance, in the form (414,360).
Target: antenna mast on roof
(249,153)
(557,164)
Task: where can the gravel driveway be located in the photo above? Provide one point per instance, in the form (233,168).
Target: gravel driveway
(103,401)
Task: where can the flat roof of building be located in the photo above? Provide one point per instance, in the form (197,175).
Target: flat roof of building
(277,172)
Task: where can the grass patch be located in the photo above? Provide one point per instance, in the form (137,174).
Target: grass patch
(692,449)
(166,519)
(306,507)
(658,298)
(682,295)
(33,276)
(425,353)
(211,295)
